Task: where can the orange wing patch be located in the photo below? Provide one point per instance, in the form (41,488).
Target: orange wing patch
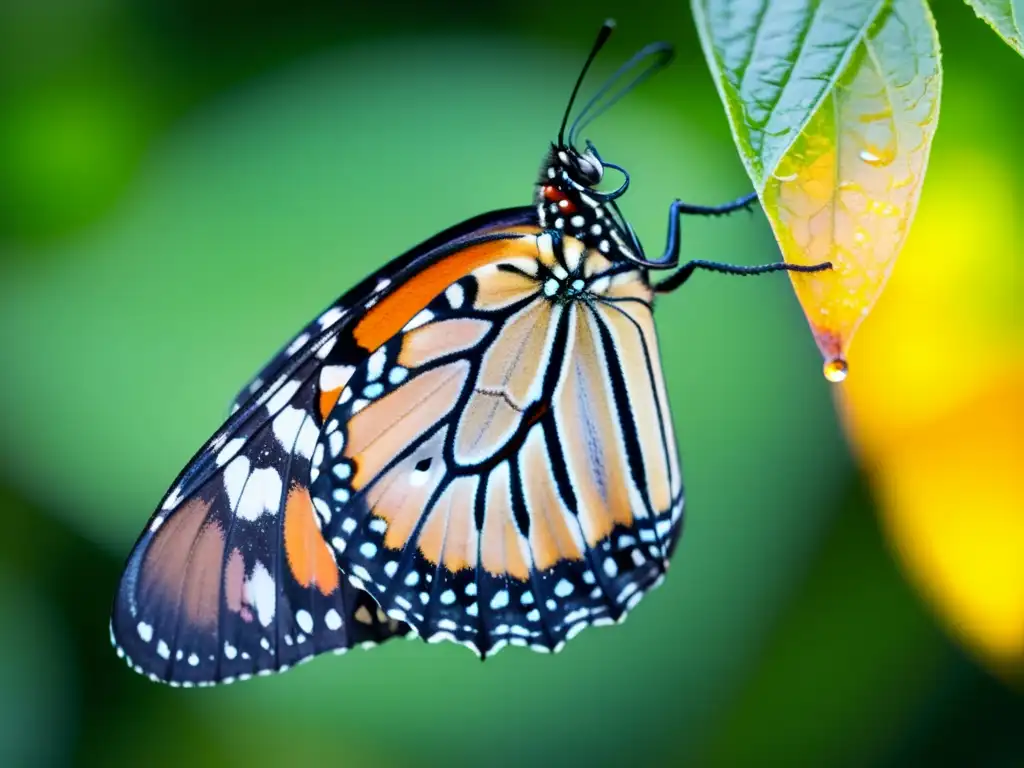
(309,557)
(390,315)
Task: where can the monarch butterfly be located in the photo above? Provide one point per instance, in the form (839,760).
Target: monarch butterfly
(473,444)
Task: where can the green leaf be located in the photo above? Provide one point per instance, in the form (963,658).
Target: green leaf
(774,63)
(1005,17)
(833,110)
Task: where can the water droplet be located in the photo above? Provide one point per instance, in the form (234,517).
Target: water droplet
(835,370)
(877,157)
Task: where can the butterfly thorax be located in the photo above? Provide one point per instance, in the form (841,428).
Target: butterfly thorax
(567,200)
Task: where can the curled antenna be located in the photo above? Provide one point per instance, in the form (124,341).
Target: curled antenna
(602,37)
(656,56)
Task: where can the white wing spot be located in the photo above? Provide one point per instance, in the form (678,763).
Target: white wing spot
(331,316)
(455,295)
(368,550)
(334,377)
(332,620)
(145,631)
(563,588)
(229,651)
(235,475)
(304,620)
(297,344)
(500,600)
(228,451)
(282,396)
(422,318)
(375,364)
(262,593)
(447,597)
(286,427)
(262,494)
(162,650)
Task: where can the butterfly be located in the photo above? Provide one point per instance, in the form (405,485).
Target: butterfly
(473,444)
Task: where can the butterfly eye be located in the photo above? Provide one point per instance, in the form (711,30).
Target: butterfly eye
(589,169)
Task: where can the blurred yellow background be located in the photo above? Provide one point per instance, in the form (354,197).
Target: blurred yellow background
(183,184)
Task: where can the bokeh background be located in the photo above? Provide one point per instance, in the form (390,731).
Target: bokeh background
(182,184)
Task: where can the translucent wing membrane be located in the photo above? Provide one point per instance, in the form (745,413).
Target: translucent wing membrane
(502,468)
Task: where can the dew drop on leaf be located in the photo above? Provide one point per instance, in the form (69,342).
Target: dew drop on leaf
(836,369)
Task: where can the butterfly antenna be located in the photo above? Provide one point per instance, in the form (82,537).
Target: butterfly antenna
(654,57)
(602,37)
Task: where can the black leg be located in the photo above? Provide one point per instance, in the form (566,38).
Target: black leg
(679,277)
(678,208)
(717,210)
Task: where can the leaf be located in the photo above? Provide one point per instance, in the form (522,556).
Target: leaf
(1005,17)
(838,166)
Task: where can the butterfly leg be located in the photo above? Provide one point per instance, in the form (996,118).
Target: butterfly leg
(671,255)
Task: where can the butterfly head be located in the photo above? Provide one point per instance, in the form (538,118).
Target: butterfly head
(568,194)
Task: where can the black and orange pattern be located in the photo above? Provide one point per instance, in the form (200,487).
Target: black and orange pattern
(473,444)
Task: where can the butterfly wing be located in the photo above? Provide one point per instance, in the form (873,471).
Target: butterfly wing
(232,576)
(502,469)
(380,280)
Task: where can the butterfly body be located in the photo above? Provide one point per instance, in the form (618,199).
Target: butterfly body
(473,444)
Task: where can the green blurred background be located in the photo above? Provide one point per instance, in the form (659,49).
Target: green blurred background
(183,184)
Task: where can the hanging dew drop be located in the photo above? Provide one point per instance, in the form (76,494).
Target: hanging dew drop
(835,370)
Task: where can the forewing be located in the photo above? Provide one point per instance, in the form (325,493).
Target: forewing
(502,469)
